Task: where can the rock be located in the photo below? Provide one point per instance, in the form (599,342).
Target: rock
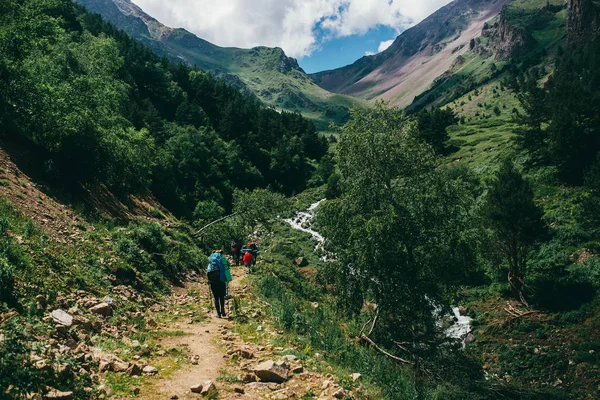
(238,389)
(290,357)
(208,389)
(470,338)
(40,301)
(247,378)
(61,317)
(355,377)
(103,309)
(270,371)
(245,354)
(298,369)
(82,323)
(340,393)
(301,261)
(462,311)
(196,388)
(149,370)
(174,397)
(55,394)
(119,365)
(134,370)
(326,384)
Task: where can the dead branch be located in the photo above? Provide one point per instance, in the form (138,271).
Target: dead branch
(374,322)
(214,222)
(379,349)
(364,326)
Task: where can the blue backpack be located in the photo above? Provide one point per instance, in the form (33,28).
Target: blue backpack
(215,265)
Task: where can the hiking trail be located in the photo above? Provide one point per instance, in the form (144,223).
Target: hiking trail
(224,356)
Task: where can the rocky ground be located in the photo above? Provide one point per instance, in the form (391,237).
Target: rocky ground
(128,346)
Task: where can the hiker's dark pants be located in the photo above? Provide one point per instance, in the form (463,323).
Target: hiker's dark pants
(218,291)
(236,258)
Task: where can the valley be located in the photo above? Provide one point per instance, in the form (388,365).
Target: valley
(440,244)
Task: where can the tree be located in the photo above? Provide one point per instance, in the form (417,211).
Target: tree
(515,222)
(400,229)
(432,127)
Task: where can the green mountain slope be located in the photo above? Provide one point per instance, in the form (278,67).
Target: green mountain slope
(266,73)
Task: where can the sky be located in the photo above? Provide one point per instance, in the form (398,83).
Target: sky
(321,34)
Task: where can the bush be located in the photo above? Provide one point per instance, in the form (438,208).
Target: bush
(7,280)
(555,285)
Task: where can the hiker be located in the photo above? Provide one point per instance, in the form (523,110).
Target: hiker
(236,252)
(248,258)
(218,275)
(253,249)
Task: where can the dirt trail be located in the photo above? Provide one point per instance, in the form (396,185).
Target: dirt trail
(200,340)
(226,359)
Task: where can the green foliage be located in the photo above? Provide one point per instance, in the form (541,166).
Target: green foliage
(560,123)
(102,108)
(515,221)
(432,127)
(259,206)
(7,280)
(400,230)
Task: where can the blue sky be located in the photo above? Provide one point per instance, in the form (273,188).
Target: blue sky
(321,34)
(342,51)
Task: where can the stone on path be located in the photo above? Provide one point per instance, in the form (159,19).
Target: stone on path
(269,371)
(149,370)
(355,377)
(196,388)
(208,389)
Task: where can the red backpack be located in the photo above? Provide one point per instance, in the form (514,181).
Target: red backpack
(247,258)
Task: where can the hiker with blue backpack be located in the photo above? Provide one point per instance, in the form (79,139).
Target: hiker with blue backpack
(218,275)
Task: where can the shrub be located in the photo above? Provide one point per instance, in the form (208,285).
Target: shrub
(7,280)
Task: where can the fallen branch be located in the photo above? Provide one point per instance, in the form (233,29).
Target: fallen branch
(364,326)
(393,357)
(214,222)
(374,322)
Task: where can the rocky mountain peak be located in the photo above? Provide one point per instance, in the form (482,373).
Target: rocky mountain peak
(583,20)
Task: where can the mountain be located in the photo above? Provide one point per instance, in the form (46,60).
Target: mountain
(417,57)
(263,72)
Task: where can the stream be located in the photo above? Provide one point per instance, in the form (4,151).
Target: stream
(303,222)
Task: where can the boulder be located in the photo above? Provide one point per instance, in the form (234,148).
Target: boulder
(82,323)
(196,388)
(61,317)
(462,311)
(355,377)
(103,309)
(470,338)
(134,370)
(149,370)
(269,371)
(340,393)
(208,389)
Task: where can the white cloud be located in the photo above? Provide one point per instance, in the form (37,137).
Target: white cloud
(369,53)
(297,26)
(384,45)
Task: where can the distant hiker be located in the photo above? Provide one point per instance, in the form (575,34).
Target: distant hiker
(236,252)
(218,274)
(254,251)
(248,259)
